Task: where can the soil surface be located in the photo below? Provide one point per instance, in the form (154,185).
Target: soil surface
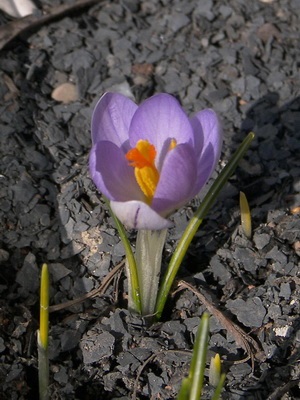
(240,58)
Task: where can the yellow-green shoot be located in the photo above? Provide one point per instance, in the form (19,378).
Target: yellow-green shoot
(245,215)
(43,335)
(192,386)
(215,370)
(216,378)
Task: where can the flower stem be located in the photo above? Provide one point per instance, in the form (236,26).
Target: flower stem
(134,298)
(196,221)
(149,247)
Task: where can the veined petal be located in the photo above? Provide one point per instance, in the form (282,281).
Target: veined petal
(185,154)
(206,124)
(207,130)
(111,119)
(158,119)
(111,173)
(208,143)
(177,180)
(206,166)
(138,215)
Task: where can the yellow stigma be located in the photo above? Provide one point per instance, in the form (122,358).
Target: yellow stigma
(142,158)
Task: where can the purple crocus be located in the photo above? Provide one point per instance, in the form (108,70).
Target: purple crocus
(150,160)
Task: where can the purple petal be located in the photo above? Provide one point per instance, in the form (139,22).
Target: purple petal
(177,180)
(138,215)
(208,143)
(111,118)
(111,173)
(206,124)
(158,119)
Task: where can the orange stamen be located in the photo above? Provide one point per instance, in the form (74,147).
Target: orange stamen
(142,158)
(143,155)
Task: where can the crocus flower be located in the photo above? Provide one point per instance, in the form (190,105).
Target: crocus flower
(150,160)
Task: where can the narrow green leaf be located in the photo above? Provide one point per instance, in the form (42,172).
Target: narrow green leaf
(184,390)
(196,221)
(134,286)
(199,358)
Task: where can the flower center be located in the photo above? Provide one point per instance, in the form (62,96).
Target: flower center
(142,158)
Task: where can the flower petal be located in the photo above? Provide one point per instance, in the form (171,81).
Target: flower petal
(208,143)
(206,124)
(111,119)
(138,215)
(111,173)
(158,119)
(177,180)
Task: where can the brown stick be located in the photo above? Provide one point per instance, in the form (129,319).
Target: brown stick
(244,340)
(14,28)
(96,292)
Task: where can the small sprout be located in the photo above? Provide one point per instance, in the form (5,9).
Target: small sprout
(192,386)
(44,307)
(245,215)
(43,359)
(215,370)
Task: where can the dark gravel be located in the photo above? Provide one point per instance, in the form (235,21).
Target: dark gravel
(240,58)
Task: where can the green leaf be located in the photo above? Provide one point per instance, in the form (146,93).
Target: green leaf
(196,221)
(191,386)
(198,362)
(134,288)
(185,389)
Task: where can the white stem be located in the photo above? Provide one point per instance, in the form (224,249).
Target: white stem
(149,247)
(43,365)
(131,304)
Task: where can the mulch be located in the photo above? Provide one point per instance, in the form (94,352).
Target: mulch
(240,58)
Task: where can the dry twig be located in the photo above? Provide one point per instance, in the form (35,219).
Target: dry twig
(17,27)
(244,340)
(96,292)
(148,360)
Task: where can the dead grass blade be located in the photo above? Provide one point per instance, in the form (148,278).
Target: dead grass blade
(245,341)
(13,29)
(96,292)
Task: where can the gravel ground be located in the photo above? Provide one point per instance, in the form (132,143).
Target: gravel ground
(238,57)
